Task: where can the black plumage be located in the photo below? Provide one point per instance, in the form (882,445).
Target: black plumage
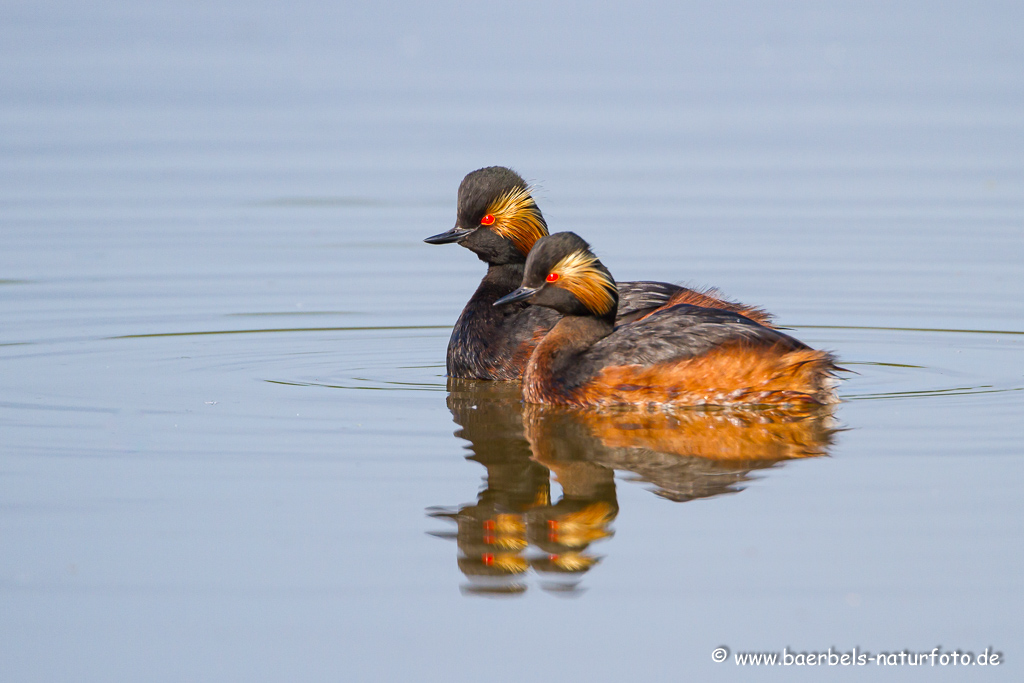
(495,343)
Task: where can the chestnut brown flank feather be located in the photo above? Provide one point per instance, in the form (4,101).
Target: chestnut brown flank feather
(731,374)
(712,298)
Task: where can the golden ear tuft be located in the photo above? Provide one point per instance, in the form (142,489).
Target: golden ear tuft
(516,216)
(591,285)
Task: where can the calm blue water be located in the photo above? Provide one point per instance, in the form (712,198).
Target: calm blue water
(228,450)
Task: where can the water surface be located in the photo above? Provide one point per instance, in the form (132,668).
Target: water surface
(229,451)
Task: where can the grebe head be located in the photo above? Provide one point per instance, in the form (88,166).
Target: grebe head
(564,274)
(497,217)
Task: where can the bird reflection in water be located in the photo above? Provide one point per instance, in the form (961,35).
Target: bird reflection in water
(684,455)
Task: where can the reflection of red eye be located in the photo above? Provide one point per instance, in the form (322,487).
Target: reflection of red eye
(552,277)
(487,220)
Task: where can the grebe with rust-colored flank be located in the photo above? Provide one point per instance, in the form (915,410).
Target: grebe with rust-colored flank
(680,354)
(499,221)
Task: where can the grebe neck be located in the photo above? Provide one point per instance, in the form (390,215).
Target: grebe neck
(571,336)
(504,276)
(580,332)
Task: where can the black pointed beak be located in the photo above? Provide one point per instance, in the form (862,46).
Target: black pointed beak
(453,235)
(520,294)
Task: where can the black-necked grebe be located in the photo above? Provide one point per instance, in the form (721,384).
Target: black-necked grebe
(499,221)
(679,354)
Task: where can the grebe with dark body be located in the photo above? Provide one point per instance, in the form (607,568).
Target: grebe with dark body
(679,354)
(499,221)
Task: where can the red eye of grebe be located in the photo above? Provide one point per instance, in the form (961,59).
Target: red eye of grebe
(552,277)
(487,220)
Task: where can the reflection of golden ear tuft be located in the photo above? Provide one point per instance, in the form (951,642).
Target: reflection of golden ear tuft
(573,562)
(493,564)
(582,527)
(509,562)
(508,542)
(509,524)
(506,531)
(598,513)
